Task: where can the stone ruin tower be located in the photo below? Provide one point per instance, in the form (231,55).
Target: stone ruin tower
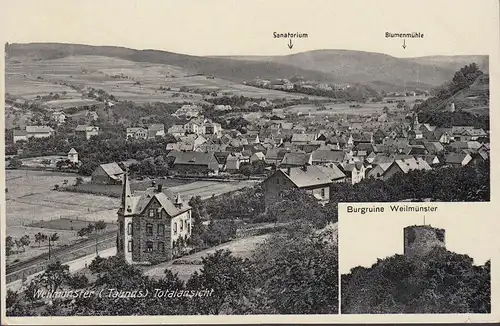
(421,239)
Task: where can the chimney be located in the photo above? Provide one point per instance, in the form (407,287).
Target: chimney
(160,188)
(288,170)
(304,167)
(153,183)
(178,201)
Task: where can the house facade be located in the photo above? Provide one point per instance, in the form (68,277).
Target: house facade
(86,131)
(32,132)
(151,225)
(309,178)
(108,174)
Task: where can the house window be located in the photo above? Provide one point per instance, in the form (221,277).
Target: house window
(186,224)
(161,229)
(189,227)
(323,192)
(121,227)
(151,212)
(130,246)
(129,229)
(175,227)
(161,246)
(149,246)
(149,229)
(277,181)
(182,225)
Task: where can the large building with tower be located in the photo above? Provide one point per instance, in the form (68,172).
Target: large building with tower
(151,224)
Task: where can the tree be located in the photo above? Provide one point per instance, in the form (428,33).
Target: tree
(52,238)
(78,181)
(298,272)
(54,276)
(25,240)
(402,284)
(230,278)
(9,245)
(100,225)
(82,232)
(15,163)
(39,237)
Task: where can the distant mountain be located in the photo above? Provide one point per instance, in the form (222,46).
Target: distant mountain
(379,71)
(235,70)
(454,62)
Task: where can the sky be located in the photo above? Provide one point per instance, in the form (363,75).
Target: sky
(470,228)
(245,27)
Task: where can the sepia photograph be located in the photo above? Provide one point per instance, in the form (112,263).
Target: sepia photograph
(223,166)
(429,263)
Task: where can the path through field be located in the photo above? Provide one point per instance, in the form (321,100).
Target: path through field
(241,248)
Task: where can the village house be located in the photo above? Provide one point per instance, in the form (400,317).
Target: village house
(86,131)
(73,156)
(137,133)
(295,159)
(59,117)
(257,156)
(431,159)
(156,130)
(310,178)
(223,108)
(187,111)
(354,172)
(303,138)
(212,128)
(434,147)
(176,130)
(467,145)
(233,162)
(194,164)
(275,155)
(151,225)
(321,156)
(107,174)
(32,132)
(457,159)
(405,165)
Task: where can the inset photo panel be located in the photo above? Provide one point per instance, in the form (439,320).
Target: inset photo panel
(415,258)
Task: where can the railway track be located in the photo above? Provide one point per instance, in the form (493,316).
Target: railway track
(17,271)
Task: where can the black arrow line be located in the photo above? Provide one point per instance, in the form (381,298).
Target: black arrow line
(290,45)
(404,43)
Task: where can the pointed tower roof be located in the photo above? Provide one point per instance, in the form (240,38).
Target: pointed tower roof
(73,151)
(126,202)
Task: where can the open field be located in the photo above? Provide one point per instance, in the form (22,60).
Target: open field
(187,265)
(30,198)
(185,188)
(69,224)
(126,80)
(206,189)
(343,108)
(135,185)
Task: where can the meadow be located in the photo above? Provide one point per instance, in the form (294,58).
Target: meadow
(126,80)
(344,108)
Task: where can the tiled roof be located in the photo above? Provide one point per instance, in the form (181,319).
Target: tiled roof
(327,156)
(113,170)
(306,177)
(296,158)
